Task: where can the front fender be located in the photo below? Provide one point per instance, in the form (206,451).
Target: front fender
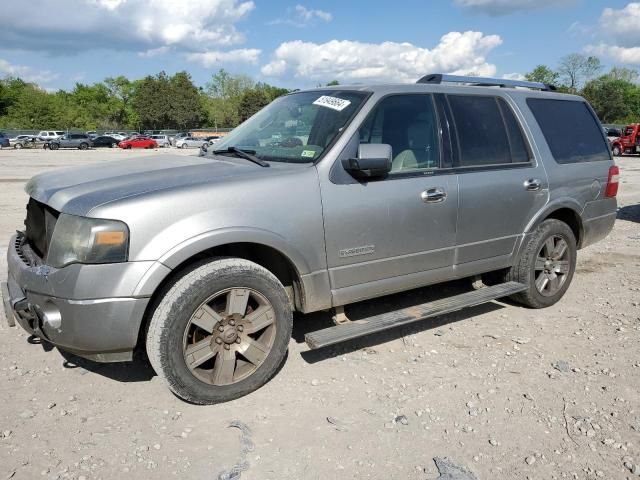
(215,238)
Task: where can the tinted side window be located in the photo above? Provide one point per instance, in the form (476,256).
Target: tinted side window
(570,129)
(409,124)
(488,133)
(517,144)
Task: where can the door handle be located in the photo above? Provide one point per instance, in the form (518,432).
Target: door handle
(533,184)
(434,195)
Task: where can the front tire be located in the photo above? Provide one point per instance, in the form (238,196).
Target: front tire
(83,146)
(220,332)
(184,145)
(546,266)
(616,151)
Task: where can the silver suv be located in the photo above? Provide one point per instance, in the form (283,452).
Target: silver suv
(322,199)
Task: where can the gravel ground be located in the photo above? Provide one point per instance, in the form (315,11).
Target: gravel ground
(502,391)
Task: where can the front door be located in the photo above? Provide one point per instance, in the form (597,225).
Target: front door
(399,232)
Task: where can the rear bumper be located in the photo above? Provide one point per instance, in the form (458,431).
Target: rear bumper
(102,329)
(595,229)
(598,219)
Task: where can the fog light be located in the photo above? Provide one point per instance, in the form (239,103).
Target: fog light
(51,316)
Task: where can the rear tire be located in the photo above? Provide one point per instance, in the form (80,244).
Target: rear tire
(220,331)
(546,266)
(17,146)
(83,146)
(54,146)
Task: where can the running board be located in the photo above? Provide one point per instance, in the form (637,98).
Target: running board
(405,316)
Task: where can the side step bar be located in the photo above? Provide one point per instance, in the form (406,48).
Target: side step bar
(405,316)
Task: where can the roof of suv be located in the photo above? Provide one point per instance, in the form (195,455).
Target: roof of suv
(384,89)
(459,84)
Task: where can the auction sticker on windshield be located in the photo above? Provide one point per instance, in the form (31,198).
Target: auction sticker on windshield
(334,103)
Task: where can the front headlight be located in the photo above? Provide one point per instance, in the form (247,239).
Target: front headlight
(87,240)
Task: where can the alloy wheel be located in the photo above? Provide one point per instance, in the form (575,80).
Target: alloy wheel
(229,336)
(553,264)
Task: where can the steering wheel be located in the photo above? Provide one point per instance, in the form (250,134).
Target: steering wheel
(291,142)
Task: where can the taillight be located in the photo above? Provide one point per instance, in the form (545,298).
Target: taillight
(612,182)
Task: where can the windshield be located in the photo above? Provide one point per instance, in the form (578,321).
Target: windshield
(295,128)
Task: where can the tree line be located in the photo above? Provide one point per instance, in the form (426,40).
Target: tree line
(614,95)
(155,102)
(173,101)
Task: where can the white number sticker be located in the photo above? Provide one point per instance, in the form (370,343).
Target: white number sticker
(333,103)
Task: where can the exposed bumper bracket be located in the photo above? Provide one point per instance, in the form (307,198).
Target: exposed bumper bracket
(8,307)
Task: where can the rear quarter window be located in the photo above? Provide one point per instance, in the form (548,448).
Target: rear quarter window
(571,130)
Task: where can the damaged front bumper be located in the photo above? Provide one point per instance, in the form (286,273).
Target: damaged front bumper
(87,310)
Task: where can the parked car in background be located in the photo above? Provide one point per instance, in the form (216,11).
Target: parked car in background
(117,136)
(46,135)
(22,141)
(174,138)
(92,133)
(105,141)
(71,140)
(162,140)
(4,141)
(612,132)
(191,142)
(212,140)
(138,141)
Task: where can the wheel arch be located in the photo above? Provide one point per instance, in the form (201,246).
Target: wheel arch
(567,211)
(280,264)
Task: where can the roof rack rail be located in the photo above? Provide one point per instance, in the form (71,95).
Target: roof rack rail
(437,78)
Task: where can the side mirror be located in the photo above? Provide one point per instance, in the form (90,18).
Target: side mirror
(374,161)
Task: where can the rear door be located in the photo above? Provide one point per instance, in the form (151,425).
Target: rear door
(502,186)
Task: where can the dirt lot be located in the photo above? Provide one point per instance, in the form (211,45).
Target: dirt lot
(504,391)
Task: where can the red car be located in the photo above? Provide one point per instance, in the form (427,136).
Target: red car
(138,142)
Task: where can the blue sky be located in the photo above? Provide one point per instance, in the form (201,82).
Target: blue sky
(303,43)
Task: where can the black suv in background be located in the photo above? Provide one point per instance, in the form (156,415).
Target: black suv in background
(71,140)
(4,140)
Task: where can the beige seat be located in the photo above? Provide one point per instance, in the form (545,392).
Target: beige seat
(422,151)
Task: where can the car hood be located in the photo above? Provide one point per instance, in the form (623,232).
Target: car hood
(78,190)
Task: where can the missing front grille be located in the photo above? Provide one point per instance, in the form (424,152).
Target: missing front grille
(39,224)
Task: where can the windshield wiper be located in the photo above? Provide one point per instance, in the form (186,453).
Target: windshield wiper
(246,154)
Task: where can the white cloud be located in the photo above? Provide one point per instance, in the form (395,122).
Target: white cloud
(625,55)
(154,52)
(351,61)
(303,16)
(513,76)
(309,14)
(505,7)
(137,25)
(622,25)
(214,57)
(621,36)
(27,74)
